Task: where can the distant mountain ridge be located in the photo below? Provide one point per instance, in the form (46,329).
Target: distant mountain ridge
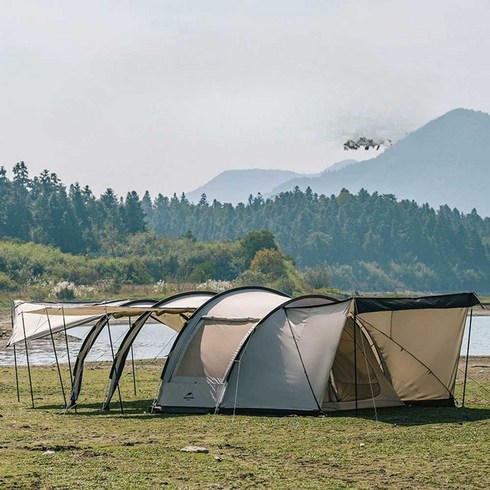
(236,185)
(447,161)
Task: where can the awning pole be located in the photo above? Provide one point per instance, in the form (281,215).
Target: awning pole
(56,357)
(67,347)
(132,362)
(16,375)
(27,359)
(15,356)
(355,356)
(467,356)
(112,351)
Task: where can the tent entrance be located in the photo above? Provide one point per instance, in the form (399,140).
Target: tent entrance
(344,377)
(362,374)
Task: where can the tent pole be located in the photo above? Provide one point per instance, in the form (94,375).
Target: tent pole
(56,357)
(27,359)
(67,347)
(16,375)
(15,355)
(467,356)
(132,361)
(112,351)
(67,353)
(355,356)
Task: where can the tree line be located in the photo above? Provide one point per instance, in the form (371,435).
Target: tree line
(361,241)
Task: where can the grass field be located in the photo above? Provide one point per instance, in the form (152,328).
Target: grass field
(405,448)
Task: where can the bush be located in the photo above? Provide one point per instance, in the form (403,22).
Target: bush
(6,284)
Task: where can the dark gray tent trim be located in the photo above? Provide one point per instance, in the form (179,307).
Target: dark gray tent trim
(459,300)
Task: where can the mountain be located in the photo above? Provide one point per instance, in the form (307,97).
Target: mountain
(236,185)
(447,161)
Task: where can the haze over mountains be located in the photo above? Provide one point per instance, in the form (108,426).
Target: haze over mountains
(236,185)
(444,162)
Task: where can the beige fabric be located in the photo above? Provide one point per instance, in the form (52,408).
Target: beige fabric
(36,318)
(213,348)
(279,372)
(373,388)
(419,348)
(344,378)
(115,311)
(233,304)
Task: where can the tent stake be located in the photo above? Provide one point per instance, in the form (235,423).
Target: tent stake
(132,362)
(56,358)
(27,359)
(355,357)
(15,356)
(112,351)
(467,356)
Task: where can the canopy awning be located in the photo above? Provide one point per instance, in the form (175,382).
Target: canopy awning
(36,320)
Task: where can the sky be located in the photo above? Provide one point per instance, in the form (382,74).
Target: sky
(163,95)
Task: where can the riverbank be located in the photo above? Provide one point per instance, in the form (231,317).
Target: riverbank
(424,448)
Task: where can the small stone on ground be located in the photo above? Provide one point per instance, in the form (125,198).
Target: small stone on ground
(194,449)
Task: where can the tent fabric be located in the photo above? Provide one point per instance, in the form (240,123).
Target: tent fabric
(35,319)
(460,300)
(119,311)
(365,386)
(420,349)
(312,354)
(291,353)
(196,369)
(176,310)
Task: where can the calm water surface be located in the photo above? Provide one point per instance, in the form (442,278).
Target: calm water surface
(155,341)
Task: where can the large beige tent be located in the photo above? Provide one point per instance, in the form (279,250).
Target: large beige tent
(254,350)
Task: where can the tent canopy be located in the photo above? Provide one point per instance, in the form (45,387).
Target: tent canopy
(36,320)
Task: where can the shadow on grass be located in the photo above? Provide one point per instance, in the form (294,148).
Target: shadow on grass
(402,416)
(410,416)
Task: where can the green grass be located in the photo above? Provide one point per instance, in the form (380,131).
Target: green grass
(406,448)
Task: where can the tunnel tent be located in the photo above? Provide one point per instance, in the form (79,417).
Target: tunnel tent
(173,311)
(303,352)
(312,354)
(205,349)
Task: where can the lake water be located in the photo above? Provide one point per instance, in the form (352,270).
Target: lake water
(155,341)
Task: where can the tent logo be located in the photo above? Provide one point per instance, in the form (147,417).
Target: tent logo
(189,396)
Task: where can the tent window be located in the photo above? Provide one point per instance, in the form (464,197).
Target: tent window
(212,348)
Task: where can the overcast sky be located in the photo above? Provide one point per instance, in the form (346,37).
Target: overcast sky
(163,95)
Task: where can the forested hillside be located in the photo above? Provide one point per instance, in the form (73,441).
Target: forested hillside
(365,241)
